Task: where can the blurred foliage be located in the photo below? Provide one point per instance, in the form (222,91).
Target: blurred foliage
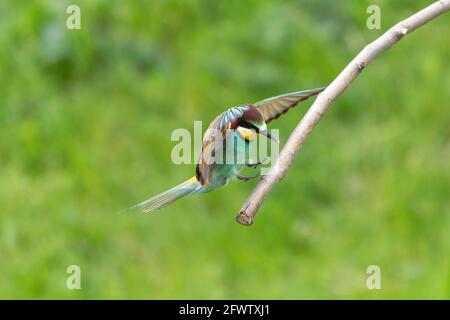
(86,117)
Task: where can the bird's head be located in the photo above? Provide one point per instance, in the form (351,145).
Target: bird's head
(251,124)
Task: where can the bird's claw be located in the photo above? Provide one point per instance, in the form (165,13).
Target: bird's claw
(247,178)
(256,164)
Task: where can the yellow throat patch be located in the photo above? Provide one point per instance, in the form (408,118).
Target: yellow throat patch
(247,134)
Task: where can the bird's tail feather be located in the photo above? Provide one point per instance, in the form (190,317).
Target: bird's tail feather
(164,199)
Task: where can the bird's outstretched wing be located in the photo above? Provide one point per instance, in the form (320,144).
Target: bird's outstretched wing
(214,137)
(274,107)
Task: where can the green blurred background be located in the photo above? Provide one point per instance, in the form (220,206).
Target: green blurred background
(86,118)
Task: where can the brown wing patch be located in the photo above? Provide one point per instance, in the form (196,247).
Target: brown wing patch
(206,162)
(214,137)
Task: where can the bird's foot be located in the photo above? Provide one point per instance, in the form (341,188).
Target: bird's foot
(247,178)
(256,164)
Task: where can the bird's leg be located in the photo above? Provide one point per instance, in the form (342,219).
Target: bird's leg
(255,164)
(247,178)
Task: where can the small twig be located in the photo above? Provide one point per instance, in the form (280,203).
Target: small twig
(324,100)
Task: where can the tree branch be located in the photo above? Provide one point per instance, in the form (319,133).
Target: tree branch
(296,140)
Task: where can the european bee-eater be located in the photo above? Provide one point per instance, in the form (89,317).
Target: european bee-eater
(232,132)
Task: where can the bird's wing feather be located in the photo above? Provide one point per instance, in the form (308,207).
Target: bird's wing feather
(274,107)
(214,136)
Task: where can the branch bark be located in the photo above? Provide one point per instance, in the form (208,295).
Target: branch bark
(296,140)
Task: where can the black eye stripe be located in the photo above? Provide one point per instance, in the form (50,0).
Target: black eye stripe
(247,125)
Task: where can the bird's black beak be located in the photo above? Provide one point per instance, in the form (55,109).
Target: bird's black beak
(269,135)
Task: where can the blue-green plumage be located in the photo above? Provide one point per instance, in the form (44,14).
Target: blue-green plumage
(226,147)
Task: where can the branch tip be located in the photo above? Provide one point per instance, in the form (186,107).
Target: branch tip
(244,219)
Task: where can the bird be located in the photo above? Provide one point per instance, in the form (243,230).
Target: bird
(230,133)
